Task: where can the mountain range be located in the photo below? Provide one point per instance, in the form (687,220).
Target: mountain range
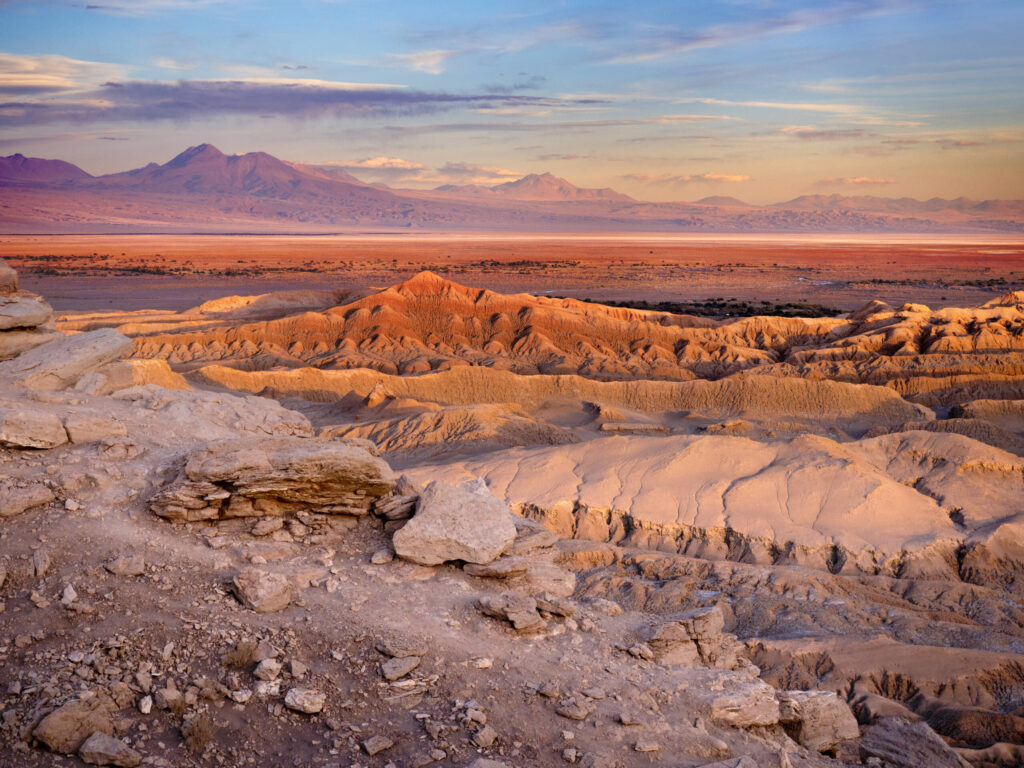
(204,190)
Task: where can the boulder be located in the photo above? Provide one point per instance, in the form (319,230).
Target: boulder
(818,720)
(262,591)
(305,700)
(14,501)
(455,523)
(127,565)
(274,476)
(902,744)
(60,363)
(23,312)
(65,729)
(746,703)
(30,428)
(101,749)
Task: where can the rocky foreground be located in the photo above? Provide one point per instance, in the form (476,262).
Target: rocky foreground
(196,576)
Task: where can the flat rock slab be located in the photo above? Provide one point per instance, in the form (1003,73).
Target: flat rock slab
(60,363)
(31,428)
(274,476)
(88,428)
(399,667)
(14,501)
(18,340)
(455,523)
(101,749)
(23,312)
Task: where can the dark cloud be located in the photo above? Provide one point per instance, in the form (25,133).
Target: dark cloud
(831,134)
(182,100)
(524,83)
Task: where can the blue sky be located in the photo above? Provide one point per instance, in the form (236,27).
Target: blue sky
(759,99)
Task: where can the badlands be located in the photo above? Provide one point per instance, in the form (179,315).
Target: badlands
(436,524)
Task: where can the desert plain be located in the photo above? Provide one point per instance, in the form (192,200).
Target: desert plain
(477,500)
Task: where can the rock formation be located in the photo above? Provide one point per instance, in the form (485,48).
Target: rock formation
(733,574)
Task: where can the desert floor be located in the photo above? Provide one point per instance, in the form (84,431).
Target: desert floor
(178,271)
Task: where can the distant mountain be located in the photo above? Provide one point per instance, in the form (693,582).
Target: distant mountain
(723,200)
(539,187)
(34,169)
(205,169)
(204,190)
(902,205)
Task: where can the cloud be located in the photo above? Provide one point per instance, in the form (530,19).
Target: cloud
(959,143)
(383,163)
(165,62)
(810,133)
(523,83)
(397,170)
(143,7)
(22,74)
(431,62)
(857,181)
(669,42)
(140,100)
(711,177)
(839,109)
(469,173)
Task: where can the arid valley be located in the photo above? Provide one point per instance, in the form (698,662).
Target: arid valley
(286,501)
(523,384)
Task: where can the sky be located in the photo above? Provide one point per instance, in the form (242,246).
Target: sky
(762,100)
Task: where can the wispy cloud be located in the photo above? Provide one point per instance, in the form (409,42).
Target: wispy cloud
(710,177)
(808,106)
(383,163)
(667,42)
(165,62)
(857,181)
(432,62)
(810,133)
(52,74)
(143,7)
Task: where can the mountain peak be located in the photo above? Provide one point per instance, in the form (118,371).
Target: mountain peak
(198,152)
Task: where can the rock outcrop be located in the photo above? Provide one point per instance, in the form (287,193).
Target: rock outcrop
(60,363)
(273,477)
(26,321)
